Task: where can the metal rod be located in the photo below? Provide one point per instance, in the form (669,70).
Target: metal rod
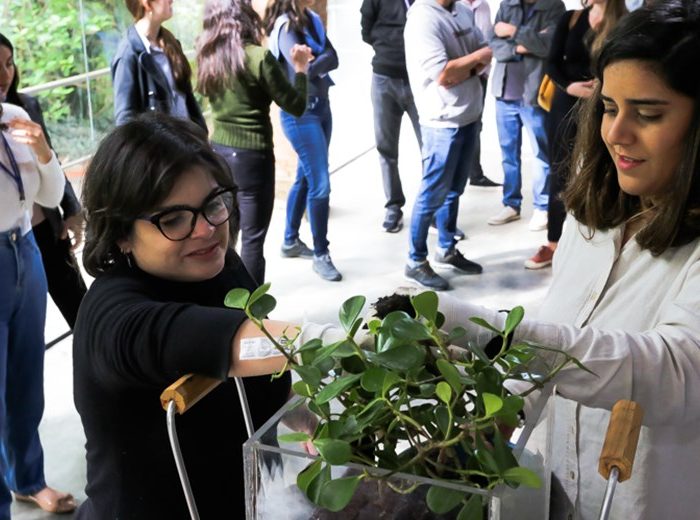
(609,492)
(58,339)
(86,64)
(244,406)
(179,462)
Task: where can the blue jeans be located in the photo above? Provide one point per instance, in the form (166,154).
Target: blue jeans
(511,116)
(447,158)
(391,97)
(22,317)
(310,136)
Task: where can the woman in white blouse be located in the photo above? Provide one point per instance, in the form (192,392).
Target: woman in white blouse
(625,297)
(29,173)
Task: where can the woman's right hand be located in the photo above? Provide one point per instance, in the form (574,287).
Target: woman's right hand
(301,56)
(28,132)
(581,89)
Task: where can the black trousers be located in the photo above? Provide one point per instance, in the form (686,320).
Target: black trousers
(476,172)
(561,133)
(66,285)
(253,171)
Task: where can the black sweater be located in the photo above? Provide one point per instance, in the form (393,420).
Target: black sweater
(135,335)
(383,22)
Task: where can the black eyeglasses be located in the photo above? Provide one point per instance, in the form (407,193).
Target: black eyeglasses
(177,222)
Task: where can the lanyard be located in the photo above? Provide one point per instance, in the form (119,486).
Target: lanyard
(13,171)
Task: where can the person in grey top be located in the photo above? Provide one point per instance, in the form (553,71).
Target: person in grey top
(522,36)
(444,54)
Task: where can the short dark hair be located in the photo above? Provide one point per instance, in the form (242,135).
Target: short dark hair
(134,169)
(666,37)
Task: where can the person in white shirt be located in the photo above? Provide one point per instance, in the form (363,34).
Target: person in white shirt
(625,296)
(29,173)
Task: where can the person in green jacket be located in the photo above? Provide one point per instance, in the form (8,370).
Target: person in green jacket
(241,80)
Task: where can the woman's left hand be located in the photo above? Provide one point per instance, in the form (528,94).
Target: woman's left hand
(74,224)
(300,419)
(29,133)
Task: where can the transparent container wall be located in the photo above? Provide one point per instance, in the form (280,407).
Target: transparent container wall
(271,470)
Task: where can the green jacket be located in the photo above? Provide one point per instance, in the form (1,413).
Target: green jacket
(242,112)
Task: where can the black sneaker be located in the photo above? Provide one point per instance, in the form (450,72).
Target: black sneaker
(393,221)
(323,265)
(459,234)
(296,249)
(425,276)
(455,259)
(483,182)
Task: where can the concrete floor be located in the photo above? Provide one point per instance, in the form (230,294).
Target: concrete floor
(371,261)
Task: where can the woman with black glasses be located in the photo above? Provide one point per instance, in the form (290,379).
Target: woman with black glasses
(161,216)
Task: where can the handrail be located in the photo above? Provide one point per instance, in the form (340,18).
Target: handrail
(64,82)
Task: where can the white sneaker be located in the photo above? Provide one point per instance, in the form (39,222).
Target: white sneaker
(538,222)
(507,214)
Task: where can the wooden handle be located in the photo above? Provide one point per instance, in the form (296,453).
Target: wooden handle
(621,440)
(187,391)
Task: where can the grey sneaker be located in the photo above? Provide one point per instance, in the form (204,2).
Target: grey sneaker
(296,249)
(425,276)
(507,214)
(323,265)
(393,221)
(456,259)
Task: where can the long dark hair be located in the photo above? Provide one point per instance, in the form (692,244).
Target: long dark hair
(134,169)
(182,72)
(298,19)
(12,94)
(666,36)
(614,11)
(229,25)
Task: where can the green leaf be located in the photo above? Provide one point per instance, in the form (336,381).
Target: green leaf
(515,316)
(308,474)
(302,389)
(478,352)
(374,325)
(456,333)
(426,305)
(315,487)
(336,388)
(257,293)
(441,500)
(483,323)
(444,392)
(524,476)
(451,374)
(401,358)
(502,454)
(390,379)
(442,418)
(489,380)
(237,298)
(373,379)
(262,307)
(350,311)
(492,403)
(294,437)
(334,451)
(336,494)
(309,374)
(472,510)
(410,329)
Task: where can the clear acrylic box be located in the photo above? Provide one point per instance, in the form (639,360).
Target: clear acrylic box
(271,469)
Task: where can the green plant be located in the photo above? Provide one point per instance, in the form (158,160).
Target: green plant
(403,384)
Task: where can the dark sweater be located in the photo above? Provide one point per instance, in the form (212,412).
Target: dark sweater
(135,335)
(569,56)
(383,22)
(322,64)
(242,112)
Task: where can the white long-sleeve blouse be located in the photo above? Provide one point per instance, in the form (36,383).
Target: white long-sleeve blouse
(43,183)
(634,320)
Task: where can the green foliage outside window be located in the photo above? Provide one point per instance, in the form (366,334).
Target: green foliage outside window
(48,40)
